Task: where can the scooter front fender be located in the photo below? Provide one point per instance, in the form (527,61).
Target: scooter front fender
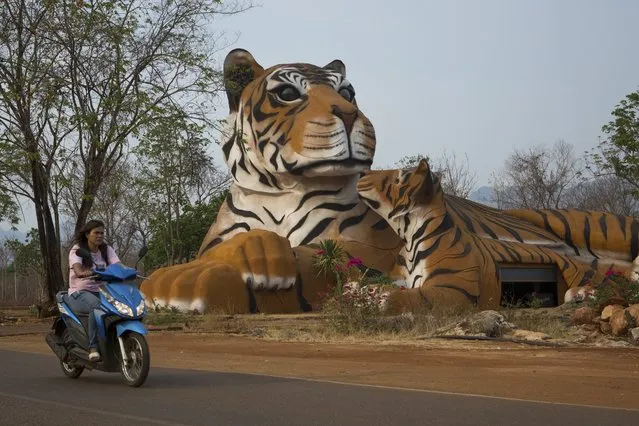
(124,326)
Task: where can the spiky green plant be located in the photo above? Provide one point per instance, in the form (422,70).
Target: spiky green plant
(329,260)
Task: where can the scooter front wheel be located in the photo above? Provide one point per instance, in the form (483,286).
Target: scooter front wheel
(136,367)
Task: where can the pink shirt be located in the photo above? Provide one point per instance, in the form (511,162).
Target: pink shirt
(77,284)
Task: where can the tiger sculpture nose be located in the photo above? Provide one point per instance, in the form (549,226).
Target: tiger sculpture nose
(347,117)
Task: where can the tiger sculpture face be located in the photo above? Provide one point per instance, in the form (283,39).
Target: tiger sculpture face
(395,194)
(295,142)
(291,121)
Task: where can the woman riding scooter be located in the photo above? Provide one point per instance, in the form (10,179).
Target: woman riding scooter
(84,294)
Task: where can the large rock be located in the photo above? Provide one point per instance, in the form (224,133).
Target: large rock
(485,323)
(609,310)
(583,315)
(619,323)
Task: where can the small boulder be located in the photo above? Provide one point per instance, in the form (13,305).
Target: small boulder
(579,294)
(633,312)
(634,335)
(485,323)
(530,335)
(614,300)
(583,315)
(488,323)
(605,327)
(609,310)
(619,323)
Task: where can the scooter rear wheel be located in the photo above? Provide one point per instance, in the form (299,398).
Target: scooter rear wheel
(70,370)
(136,368)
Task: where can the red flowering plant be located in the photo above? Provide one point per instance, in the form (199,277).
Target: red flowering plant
(616,287)
(353,286)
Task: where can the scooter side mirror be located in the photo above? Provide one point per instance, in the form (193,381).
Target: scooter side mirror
(143,251)
(141,254)
(84,254)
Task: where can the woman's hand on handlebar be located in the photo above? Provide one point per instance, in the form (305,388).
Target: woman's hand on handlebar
(87,274)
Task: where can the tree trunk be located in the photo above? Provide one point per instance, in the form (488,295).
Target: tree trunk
(85,209)
(89,190)
(49,244)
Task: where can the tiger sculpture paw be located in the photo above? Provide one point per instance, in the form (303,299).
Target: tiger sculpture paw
(255,271)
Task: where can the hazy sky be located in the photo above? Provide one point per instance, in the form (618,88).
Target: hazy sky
(474,77)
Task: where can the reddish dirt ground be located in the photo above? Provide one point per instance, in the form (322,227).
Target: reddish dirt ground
(591,376)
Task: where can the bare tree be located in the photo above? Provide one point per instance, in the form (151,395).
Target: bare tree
(34,121)
(537,178)
(456,177)
(123,206)
(128,63)
(407,162)
(606,193)
(79,80)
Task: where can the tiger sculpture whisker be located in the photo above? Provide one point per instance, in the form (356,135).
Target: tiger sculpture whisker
(441,255)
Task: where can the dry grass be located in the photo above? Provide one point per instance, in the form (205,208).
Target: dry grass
(555,322)
(350,325)
(330,326)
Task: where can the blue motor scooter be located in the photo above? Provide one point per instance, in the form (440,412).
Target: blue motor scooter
(121,340)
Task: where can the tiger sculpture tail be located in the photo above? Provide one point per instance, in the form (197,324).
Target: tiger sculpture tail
(605,240)
(442,258)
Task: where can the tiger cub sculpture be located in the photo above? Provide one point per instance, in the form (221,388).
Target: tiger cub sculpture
(443,256)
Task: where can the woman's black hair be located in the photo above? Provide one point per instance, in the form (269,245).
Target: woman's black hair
(82,241)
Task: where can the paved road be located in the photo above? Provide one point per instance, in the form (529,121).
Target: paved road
(33,391)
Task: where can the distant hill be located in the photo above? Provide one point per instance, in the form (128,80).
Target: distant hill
(484,195)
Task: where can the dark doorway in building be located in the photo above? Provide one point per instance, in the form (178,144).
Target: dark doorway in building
(528,287)
(528,294)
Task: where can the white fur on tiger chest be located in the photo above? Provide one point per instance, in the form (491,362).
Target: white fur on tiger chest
(292,214)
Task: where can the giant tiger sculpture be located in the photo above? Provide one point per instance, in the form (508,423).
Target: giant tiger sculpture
(297,145)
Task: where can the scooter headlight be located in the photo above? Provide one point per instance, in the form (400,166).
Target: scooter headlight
(123,309)
(119,306)
(140,309)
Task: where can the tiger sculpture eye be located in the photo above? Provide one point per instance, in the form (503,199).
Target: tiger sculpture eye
(288,93)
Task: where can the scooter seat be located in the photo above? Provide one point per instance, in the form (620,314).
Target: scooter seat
(63,297)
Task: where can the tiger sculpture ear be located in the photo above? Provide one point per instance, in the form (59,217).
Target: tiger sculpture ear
(426,191)
(240,68)
(337,66)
